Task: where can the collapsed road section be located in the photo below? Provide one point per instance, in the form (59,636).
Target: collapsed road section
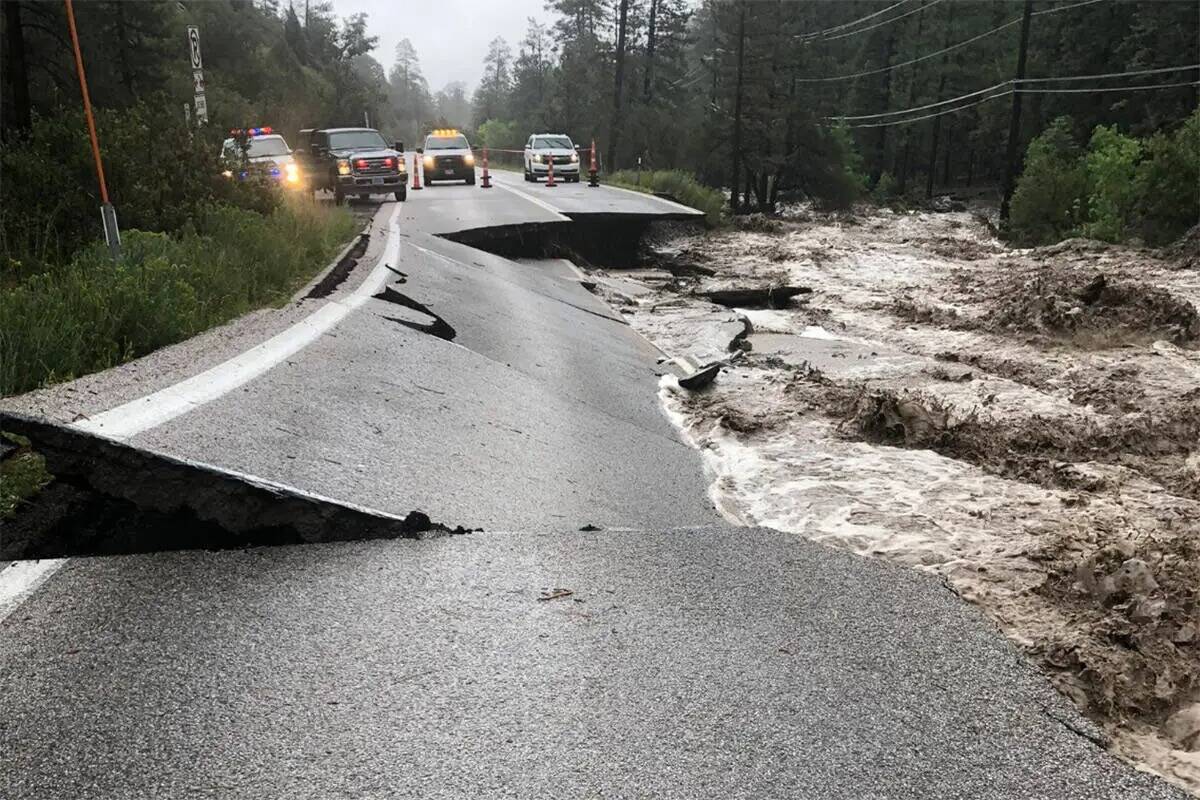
(108,497)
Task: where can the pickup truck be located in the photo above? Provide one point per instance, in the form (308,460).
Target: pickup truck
(352,161)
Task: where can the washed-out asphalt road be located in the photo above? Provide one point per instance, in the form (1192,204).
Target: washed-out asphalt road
(668,654)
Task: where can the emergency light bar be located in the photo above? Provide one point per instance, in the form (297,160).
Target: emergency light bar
(251,132)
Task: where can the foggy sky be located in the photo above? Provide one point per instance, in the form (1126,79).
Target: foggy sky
(450,36)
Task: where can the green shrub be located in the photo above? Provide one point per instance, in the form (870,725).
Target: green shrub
(158,170)
(1111,165)
(680,185)
(886,190)
(1167,183)
(92,313)
(1049,203)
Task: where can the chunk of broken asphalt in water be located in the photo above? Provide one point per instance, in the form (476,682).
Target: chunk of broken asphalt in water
(764,297)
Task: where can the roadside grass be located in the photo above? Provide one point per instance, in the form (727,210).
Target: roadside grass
(680,185)
(22,474)
(91,313)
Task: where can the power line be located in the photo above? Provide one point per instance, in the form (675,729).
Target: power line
(876,25)
(1005,93)
(944,50)
(1008,92)
(845,25)
(1056,9)
(1109,88)
(1113,74)
(881,70)
(1023,90)
(924,107)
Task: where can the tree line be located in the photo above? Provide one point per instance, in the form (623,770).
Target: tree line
(809,98)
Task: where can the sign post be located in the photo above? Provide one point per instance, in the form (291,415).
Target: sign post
(201,103)
(108,214)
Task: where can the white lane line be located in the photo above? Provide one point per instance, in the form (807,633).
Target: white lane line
(20,578)
(128,420)
(535,200)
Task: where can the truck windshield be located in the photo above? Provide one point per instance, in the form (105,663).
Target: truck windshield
(552,143)
(446,143)
(267,146)
(346,140)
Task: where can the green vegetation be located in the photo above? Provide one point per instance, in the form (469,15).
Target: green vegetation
(1120,187)
(680,185)
(22,474)
(92,313)
(198,249)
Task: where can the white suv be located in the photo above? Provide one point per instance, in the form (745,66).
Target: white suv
(542,147)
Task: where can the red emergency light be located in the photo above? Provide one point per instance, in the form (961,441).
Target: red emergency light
(266,131)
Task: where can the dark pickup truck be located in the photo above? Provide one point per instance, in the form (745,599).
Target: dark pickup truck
(351,161)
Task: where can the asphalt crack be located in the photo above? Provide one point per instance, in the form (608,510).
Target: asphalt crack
(108,497)
(336,276)
(439,327)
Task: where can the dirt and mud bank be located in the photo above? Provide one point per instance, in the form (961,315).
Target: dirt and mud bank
(1025,423)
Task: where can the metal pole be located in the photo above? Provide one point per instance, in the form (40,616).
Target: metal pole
(108,214)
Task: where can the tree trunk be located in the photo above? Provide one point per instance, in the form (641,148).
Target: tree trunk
(881,142)
(902,183)
(21,116)
(949,152)
(614,134)
(1013,154)
(736,155)
(937,121)
(648,88)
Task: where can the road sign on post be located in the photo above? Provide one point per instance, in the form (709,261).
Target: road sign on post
(201,103)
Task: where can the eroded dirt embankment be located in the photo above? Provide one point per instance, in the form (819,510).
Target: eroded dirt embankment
(1025,423)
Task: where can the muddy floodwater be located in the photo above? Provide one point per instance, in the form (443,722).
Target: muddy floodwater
(1023,423)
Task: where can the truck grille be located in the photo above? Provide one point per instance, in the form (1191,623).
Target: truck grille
(375,166)
(447,162)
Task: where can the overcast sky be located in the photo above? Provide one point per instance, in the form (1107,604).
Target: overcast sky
(450,36)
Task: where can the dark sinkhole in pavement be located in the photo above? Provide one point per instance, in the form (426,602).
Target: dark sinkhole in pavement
(610,240)
(108,498)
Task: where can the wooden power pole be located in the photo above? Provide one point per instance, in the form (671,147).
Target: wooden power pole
(1014,124)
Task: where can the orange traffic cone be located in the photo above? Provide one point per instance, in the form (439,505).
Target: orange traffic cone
(593,173)
(416,184)
(485,181)
(550,184)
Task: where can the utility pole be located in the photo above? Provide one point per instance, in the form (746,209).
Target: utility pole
(736,157)
(108,214)
(1014,125)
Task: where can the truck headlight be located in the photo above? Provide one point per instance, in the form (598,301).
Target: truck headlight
(469,159)
(291,173)
(343,167)
(574,157)
(429,161)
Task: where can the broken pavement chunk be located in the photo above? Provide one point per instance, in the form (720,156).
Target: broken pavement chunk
(763,297)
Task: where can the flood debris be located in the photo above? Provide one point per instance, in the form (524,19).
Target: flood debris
(1108,311)
(1029,431)
(757,297)
(341,270)
(438,327)
(108,497)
